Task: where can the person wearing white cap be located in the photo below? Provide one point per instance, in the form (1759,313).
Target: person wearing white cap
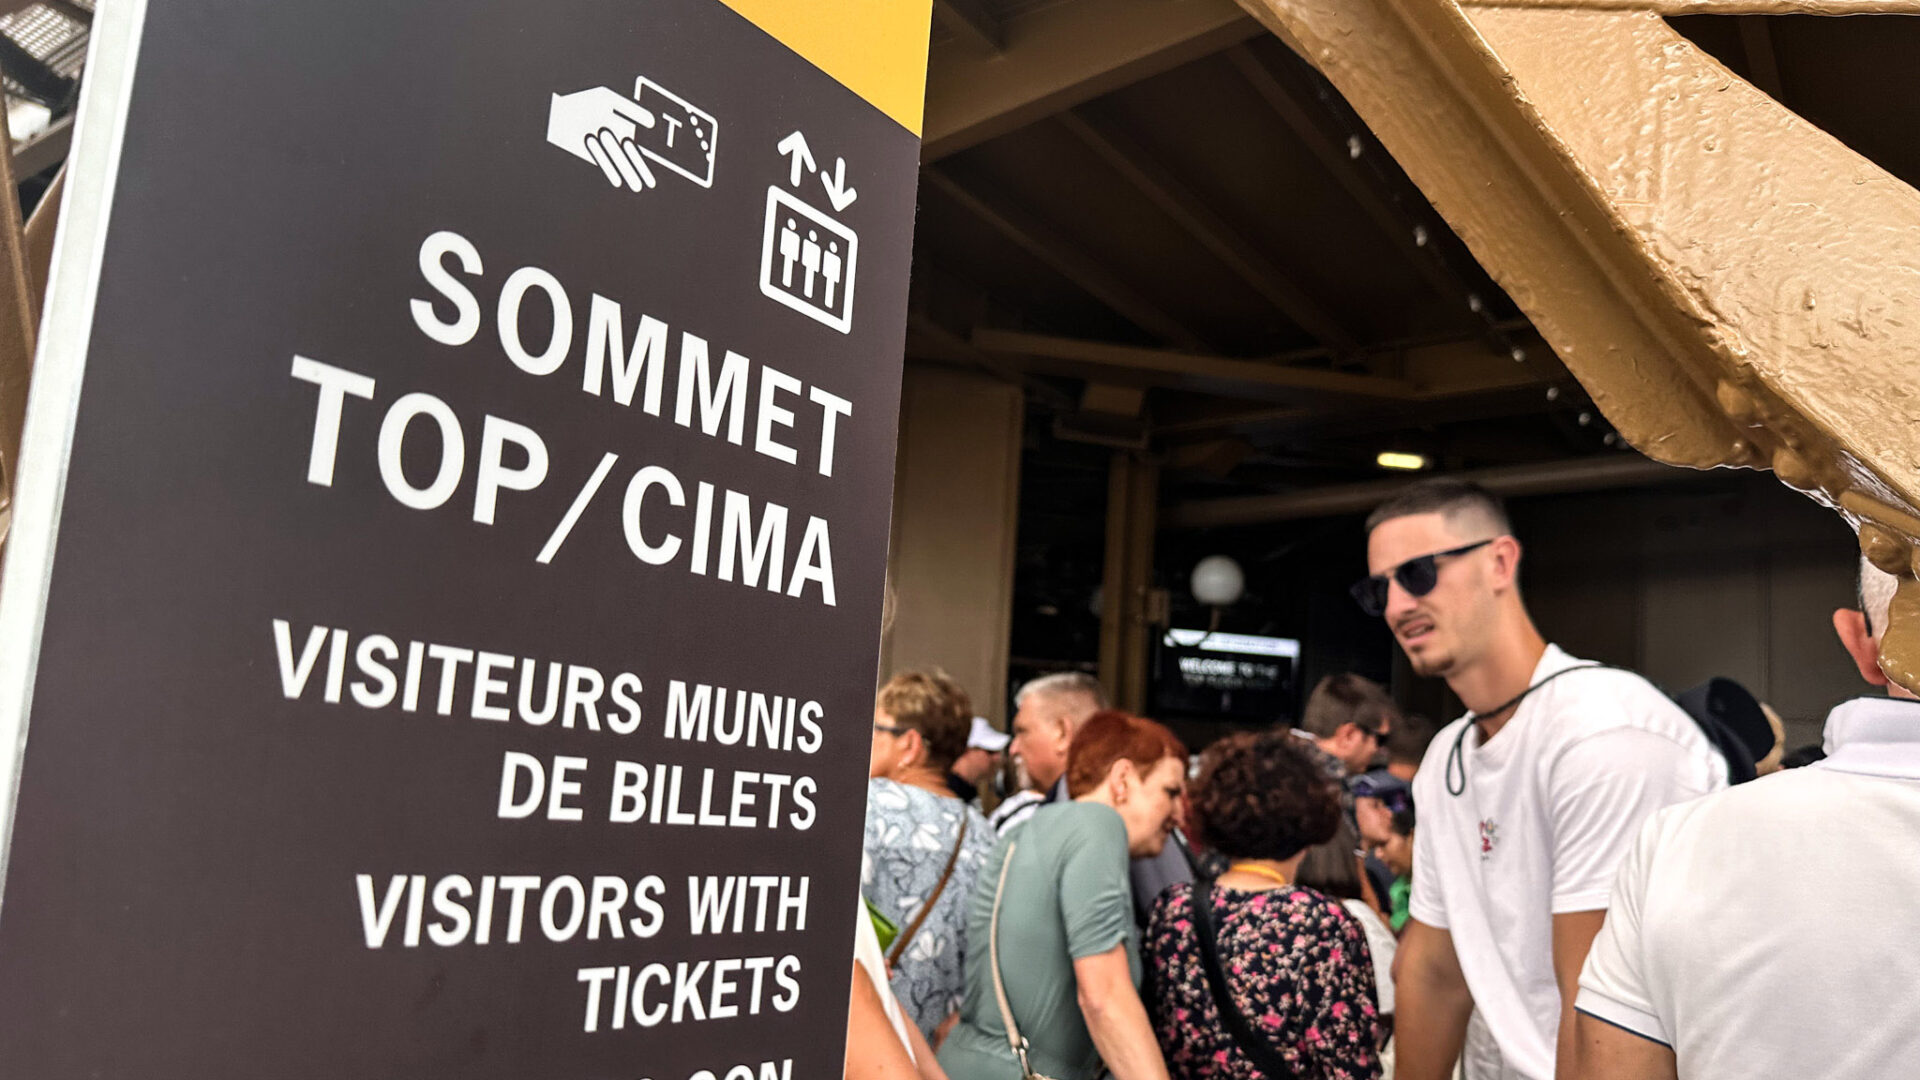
(985,745)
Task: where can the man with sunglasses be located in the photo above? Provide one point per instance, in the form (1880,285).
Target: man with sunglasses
(1528,804)
(1348,718)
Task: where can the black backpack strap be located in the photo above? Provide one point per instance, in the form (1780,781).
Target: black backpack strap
(1258,1049)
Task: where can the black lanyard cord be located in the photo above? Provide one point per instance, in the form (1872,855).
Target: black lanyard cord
(1457,757)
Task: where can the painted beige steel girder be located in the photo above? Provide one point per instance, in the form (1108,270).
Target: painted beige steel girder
(1733,285)
(1722,7)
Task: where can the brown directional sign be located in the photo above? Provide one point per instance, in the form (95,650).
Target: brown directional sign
(442,610)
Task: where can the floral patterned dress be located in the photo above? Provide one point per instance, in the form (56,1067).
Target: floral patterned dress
(910,836)
(1298,969)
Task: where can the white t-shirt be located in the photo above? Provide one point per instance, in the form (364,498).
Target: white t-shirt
(1549,808)
(1770,930)
(1015,809)
(1381,945)
(866,953)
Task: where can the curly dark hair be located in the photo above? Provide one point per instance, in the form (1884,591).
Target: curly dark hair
(1259,796)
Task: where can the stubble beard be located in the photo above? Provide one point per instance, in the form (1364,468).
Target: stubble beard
(1432,665)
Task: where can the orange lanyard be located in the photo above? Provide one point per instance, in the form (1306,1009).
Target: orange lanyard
(1257,870)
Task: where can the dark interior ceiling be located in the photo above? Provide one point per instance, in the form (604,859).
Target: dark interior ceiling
(1232,207)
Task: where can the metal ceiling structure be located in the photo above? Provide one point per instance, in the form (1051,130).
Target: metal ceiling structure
(43,47)
(1178,237)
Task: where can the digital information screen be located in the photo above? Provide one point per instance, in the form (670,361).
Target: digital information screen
(1238,676)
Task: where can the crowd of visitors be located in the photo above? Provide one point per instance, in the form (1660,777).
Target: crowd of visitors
(1564,881)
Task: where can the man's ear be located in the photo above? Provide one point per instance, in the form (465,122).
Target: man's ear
(1345,735)
(1063,730)
(1506,562)
(1851,625)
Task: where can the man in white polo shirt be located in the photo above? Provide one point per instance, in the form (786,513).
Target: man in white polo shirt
(1527,804)
(1769,931)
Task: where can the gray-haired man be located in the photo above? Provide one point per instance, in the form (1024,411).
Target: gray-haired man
(1048,710)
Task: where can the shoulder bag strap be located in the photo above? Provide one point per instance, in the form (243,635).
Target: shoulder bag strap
(1259,1050)
(1015,1040)
(900,943)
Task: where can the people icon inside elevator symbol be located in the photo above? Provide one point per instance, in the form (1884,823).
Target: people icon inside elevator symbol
(818,262)
(808,257)
(790,254)
(830,263)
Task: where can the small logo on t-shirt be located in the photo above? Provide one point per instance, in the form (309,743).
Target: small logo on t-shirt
(1489,836)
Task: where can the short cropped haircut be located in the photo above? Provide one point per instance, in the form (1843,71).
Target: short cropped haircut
(1454,499)
(1332,867)
(1065,684)
(931,703)
(1407,742)
(1260,796)
(1876,595)
(1344,699)
(1109,736)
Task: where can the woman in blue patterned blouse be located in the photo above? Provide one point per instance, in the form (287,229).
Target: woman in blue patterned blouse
(924,846)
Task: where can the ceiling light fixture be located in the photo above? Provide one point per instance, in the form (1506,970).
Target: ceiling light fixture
(1393,459)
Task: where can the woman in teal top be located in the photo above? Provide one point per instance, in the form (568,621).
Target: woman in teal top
(1069,949)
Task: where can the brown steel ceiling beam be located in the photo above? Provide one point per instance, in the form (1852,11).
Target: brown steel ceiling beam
(1286,102)
(19,323)
(1227,244)
(37,238)
(928,340)
(1520,329)
(1721,7)
(1044,243)
(1433,372)
(970,19)
(1229,419)
(1547,478)
(1459,135)
(1416,239)
(1357,418)
(1060,55)
(1190,370)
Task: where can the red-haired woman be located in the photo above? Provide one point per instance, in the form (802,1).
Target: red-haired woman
(1051,919)
(1268,978)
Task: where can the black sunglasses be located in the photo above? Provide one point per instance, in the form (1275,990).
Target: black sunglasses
(1418,576)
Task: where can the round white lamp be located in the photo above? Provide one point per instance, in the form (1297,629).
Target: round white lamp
(1217,581)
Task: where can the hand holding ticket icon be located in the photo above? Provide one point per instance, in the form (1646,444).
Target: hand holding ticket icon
(600,125)
(632,138)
